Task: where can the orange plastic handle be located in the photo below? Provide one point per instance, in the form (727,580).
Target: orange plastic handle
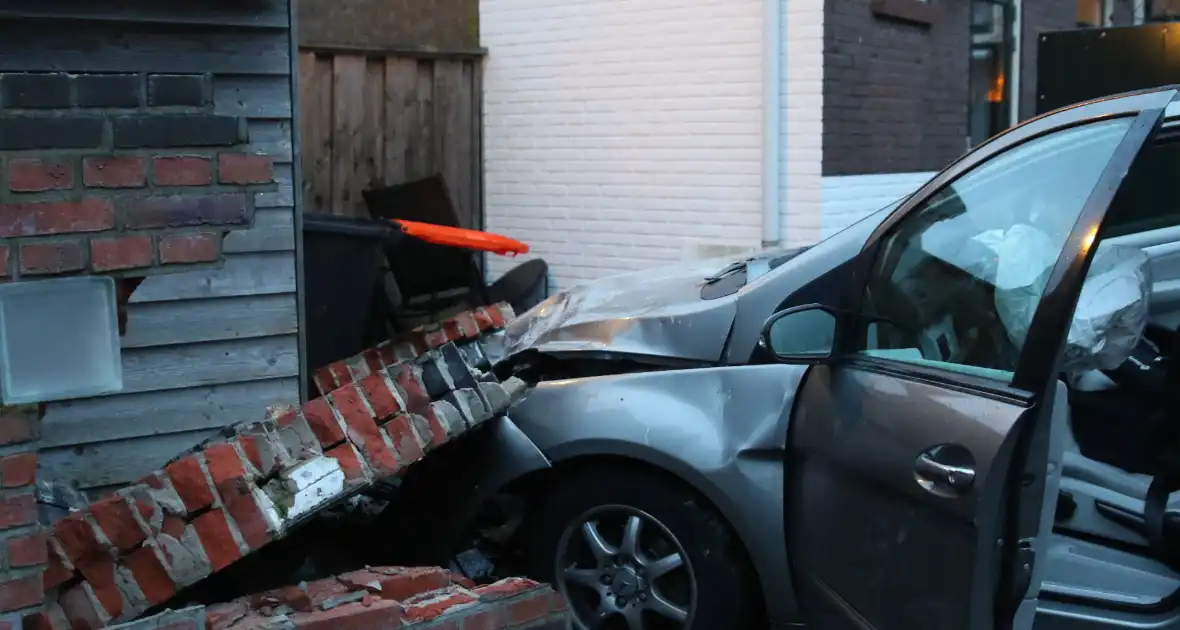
(460,237)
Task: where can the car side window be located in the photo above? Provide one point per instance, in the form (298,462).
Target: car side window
(955,284)
(1146,200)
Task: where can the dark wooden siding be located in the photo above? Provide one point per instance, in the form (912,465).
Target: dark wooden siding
(203,349)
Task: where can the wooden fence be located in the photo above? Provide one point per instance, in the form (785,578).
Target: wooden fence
(371,119)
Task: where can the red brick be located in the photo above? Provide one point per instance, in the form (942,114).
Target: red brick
(340,374)
(372,359)
(323,422)
(400,583)
(53,257)
(190,482)
(238,497)
(76,537)
(351,464)
(18,470)
(56,217)
(324,380)
(17,511)
(435,604)
(183,170)
(82,608)
(17,425)
(147,567)
(190,248)
(249,446)
(241,168)
(462,327)
(320,591)
(405,441)
(381,398)
(510,587)
(34,175)
(99,571)
(114,172)
(21,593)
(484,618)
(363,429)
(28,551)
(415,396)
(57,572)
(117,522)
(224,463)
(128,252)
(378,615)
(483,319)
(496,314)
(213,529)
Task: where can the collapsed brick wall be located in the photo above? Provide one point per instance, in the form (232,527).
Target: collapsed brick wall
(123,174)
(23,555)
(139,548)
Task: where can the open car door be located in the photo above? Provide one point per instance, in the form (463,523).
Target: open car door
(919,484)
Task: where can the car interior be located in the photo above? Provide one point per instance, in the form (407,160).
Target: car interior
(1123,428)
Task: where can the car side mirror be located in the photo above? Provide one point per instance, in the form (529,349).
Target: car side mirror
(801,333)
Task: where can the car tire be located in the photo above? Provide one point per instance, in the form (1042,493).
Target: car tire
(714,586)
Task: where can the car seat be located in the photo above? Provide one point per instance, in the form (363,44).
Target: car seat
(1099,497)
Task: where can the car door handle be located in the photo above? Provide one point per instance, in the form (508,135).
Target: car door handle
(945,470)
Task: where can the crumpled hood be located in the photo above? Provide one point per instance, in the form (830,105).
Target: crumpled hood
(656,312)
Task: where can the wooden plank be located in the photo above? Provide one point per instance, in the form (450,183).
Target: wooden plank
(214,363)
(452,120)
(372,133)
(252,96)
(421,158)
(243,274)
(284,196)
(262,14)
(120,462)
(401,116)
(273,231)
(445,24)
(315,102)
(271,137)
(126,416)
(404,52)
(90,47)
(348,120)
(197,321)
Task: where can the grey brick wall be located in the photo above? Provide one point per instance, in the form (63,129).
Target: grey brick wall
(895,93)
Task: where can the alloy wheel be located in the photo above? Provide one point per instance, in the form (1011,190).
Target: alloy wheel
(622,569)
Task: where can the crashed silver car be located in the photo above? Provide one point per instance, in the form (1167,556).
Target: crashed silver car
(906,426)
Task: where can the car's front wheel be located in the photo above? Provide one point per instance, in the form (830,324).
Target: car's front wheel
(633,550)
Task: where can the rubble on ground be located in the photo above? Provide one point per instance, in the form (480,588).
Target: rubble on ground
(136,550)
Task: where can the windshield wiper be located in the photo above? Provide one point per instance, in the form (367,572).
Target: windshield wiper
(727,271)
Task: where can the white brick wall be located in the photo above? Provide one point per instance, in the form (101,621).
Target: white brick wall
(621,134)
(803,101)
(848,198)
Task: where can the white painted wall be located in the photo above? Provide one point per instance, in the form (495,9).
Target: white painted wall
(803,100)
(622,134)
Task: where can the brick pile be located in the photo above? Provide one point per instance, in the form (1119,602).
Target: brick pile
(22,556)
(384,410)
(385,598)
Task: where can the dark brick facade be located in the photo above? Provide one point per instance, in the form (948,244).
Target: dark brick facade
(896,89)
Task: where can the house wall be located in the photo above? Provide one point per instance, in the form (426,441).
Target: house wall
(803,98)
(205,348)
(618,134)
